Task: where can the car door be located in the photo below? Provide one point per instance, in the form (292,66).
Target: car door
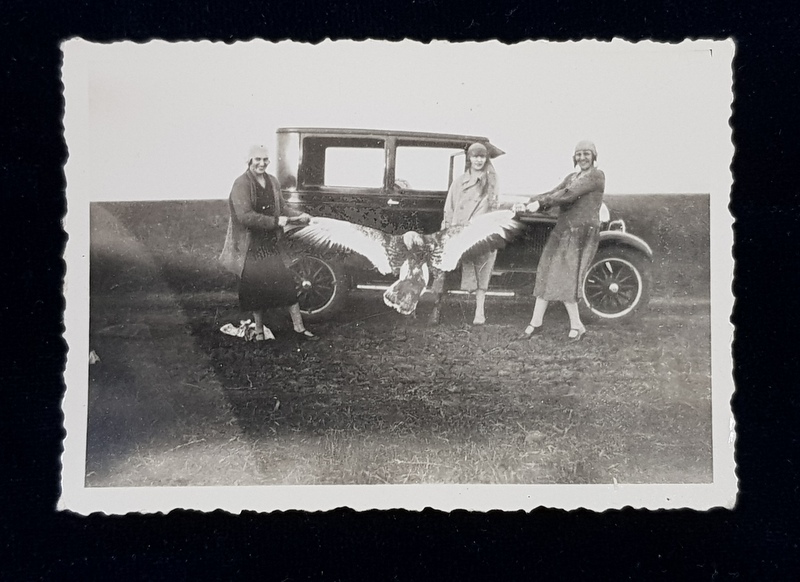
(420,174)
(344,176)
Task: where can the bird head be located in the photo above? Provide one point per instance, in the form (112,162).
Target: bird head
(412,239)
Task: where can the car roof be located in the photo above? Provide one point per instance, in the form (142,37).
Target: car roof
(494,151)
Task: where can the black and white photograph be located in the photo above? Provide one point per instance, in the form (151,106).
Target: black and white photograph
(398,275)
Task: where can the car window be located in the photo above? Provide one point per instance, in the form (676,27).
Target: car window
(424,168)
(343,161)
(459,164)
(354,167)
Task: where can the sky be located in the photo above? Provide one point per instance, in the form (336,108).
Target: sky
(168,121)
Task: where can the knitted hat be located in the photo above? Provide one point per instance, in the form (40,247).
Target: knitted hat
(257,151)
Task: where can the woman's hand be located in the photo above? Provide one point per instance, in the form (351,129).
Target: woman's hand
(301,219)
(531,207)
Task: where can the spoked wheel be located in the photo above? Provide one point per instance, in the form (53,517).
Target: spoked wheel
(322,286)
(617,285)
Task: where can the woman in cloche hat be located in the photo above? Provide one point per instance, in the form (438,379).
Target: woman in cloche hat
(573,242)
(253,248)
(472,194)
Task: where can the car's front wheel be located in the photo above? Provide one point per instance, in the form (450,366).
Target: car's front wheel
(322,286)
(617,284)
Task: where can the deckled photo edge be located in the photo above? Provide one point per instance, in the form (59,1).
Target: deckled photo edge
(78,497)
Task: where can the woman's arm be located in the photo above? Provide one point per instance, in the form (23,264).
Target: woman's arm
(520,207)
(592,182)
(250,219)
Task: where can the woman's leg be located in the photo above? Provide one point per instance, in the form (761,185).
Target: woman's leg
(480,300)
(535,326)
(576,327)
(437,289)
(258,318)
(299,328)
(483,274)
(297,318)
(539,309)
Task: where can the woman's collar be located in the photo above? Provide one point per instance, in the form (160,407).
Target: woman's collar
(471,177)
(253,177)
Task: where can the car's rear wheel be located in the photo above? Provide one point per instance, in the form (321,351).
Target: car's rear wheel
(617,285)
(322,286)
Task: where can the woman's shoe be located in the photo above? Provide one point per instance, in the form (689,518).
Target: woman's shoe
(306,335)
(576,335)
(529,332)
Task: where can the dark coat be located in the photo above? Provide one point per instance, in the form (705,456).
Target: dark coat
(245,219)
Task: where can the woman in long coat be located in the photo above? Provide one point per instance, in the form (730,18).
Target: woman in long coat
(253,247)
(573,242)
(472,194)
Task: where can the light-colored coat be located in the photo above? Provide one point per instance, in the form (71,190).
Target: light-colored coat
(469,196)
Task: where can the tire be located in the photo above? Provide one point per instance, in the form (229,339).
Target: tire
(617,285)
(322,286)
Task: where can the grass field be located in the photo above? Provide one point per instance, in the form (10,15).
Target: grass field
(386,399)
(383,399)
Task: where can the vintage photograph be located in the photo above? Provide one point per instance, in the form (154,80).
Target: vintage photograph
(398,275)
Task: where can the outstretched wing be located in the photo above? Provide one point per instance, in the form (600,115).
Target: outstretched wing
(376,246)
(485,233)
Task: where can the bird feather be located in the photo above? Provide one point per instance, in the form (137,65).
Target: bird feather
(483,234)
(378,247)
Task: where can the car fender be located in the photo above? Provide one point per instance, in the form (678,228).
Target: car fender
(618,237)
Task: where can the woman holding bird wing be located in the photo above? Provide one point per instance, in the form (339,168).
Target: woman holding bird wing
(253,249)
(412,257)
(572,243)
(472,194)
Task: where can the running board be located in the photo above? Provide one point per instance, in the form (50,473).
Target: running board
(452,291)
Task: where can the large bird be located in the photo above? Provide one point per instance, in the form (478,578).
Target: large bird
(413,257)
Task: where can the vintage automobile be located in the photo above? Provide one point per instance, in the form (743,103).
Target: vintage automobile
(397,181)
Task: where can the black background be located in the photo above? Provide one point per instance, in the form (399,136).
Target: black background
(757,540)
